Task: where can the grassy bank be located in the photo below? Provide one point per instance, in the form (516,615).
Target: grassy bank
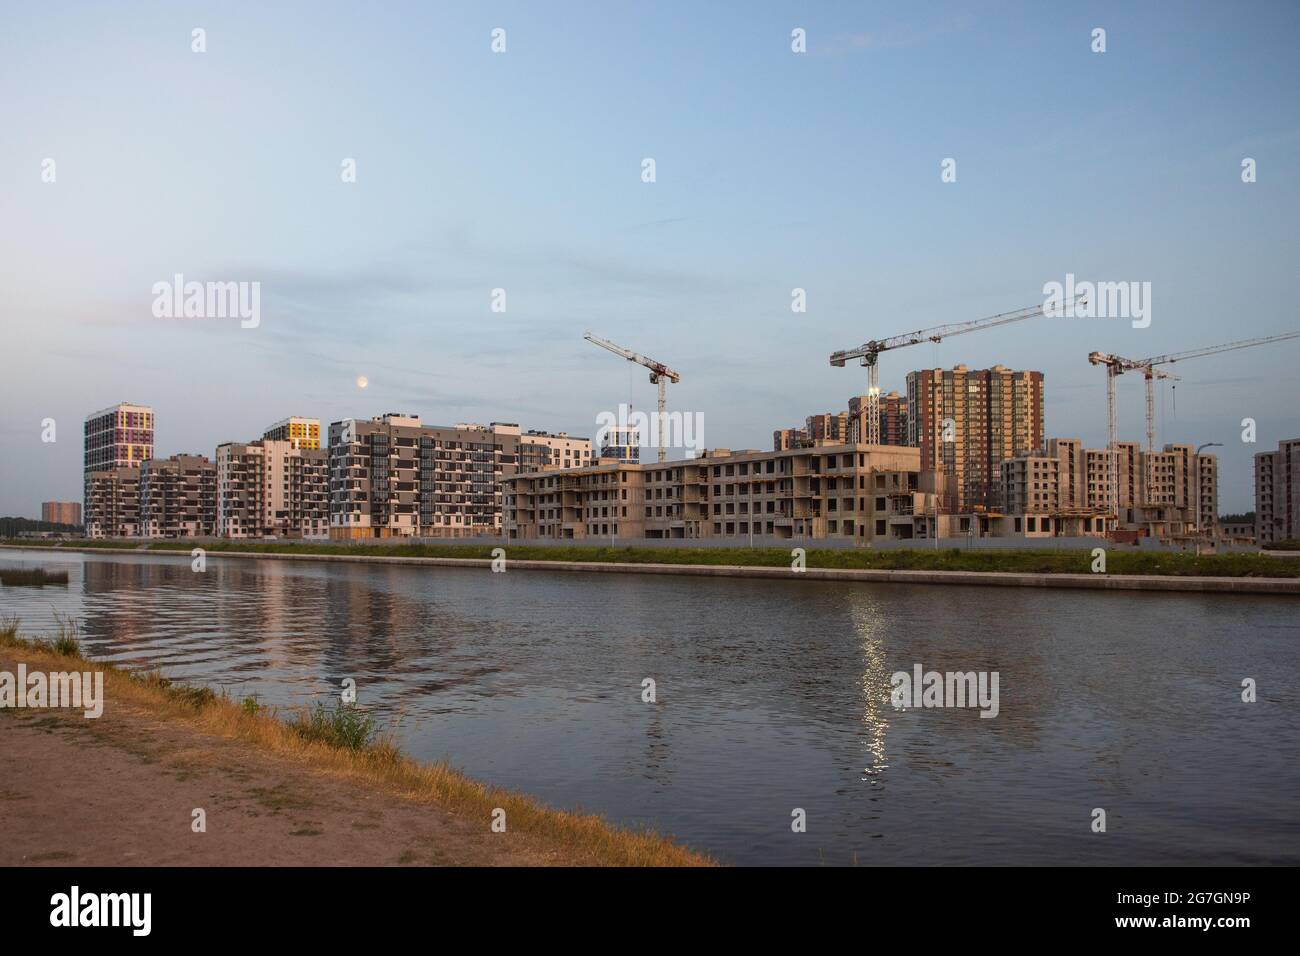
(344,742)
(1118,562)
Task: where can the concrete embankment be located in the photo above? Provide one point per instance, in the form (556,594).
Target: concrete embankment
(1104,582)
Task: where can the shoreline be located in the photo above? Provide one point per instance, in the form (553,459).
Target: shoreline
(274,795)
(1185,583)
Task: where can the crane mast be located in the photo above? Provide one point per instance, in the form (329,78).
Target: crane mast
(660,374)
(869,352)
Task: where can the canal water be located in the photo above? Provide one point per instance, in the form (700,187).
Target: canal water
(772,697)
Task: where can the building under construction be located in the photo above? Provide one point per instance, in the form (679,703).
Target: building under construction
(853,492)
(1063,490)
(1277,494)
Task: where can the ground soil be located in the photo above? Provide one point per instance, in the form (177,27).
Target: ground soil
(120,790)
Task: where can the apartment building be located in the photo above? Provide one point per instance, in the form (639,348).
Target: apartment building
(827,428)
(61,512)
(847,427)
(621,444)
(1178,493)
(178,497)
(272,488)
(120,436)
(113,503)
(893,418)
(1041,495)
(1065,490)
(392,476)
(298,432)
(1277,494)
(785,439)
(539,450)
(1207,495)
(858,492)
(968,421)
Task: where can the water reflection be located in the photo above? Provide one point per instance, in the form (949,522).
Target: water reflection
(771,695)
(875,690)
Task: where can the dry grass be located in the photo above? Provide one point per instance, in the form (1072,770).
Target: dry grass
(586,838)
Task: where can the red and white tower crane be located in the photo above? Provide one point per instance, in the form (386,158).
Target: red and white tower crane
(869,352)
(660,374)
(1117,365)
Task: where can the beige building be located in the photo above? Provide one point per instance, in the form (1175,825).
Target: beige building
(272,488)
(61,512)
(1043,495)
(968,421)
(1065,490)
(113,503)
(178,497)
(539,450)
(856,492)
(1277,494)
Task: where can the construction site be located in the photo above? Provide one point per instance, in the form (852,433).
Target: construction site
(960,455)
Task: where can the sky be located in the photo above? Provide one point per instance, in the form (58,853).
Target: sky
(522,170)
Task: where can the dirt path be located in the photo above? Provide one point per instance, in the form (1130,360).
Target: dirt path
(121,790)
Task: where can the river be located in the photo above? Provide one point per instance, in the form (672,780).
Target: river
(771,697)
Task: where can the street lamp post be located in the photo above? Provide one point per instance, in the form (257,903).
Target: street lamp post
(1208,444)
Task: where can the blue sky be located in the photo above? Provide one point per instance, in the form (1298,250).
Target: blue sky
(522,170)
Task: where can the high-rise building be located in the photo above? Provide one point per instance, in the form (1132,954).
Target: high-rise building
(392,476)
(847,427)
(113,503)
(828,428)
(61,512)
(120,436)
(298,432)
(1277,494)
(893,419)
(968,421)
(272,488)
(784,439)
(178,497)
